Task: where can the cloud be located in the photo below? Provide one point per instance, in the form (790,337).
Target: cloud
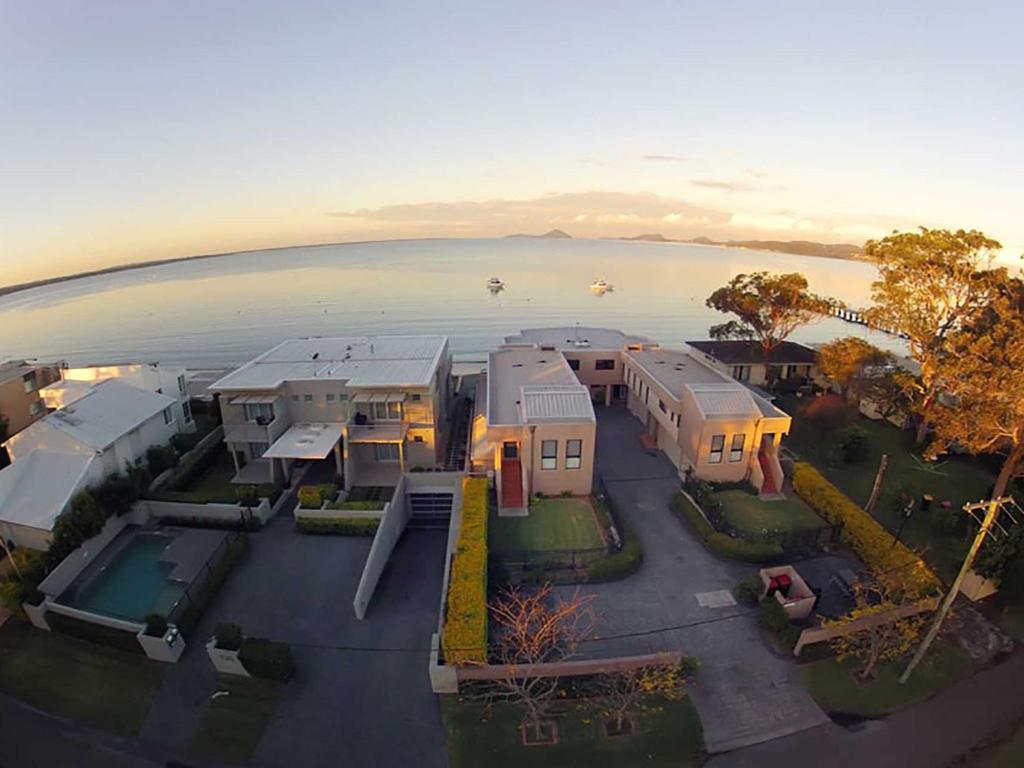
(664,158)
(771,221)
(728,186)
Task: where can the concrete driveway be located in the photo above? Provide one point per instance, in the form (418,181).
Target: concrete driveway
(348,704)
(745,694)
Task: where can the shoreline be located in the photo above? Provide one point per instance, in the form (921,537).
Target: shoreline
(134,266)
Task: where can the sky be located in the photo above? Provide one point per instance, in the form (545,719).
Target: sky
(134,131)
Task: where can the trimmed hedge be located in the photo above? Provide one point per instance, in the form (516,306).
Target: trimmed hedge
(314,496)
(268,659)
(359,505)
(623,563)
(866,536)
(464,639)
(338,526)
(720,543)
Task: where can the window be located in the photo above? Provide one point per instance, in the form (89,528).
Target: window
(717,449)
(295,398)
(168,415)
(394,411)
(417,438)
(181,383)
(736,452)
(330,398)
(604,365)
(549,454)
(414,398)
(186,408)
(307,398)
(573,454)
(387,411)
(385,451)
(573,364)
(35,408)
(261,413)
(343,398)
(29,381)
(741,372)
(661,405)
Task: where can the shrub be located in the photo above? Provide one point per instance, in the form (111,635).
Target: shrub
(853,444)
(247,496)
(313,496)
(358,506)
(733,485)
(267,659)
(116,494)
(865,535)
(184,442)
(566,494)
(464,639)
(623,563)
(228,636)
(829,413)
(83,520)
(160,458)
(748,591)
(156,625)
(339,526)
(720,543)
(774,619)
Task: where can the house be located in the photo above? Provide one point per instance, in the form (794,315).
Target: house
(534,428)
(20,401)
(154,377)
(107,429)
(379,404)
(744,360)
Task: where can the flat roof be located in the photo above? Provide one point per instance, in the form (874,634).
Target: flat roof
(305,441)
(567,338)
(109,409)
(674,369)
(540,375)
(362,361)
(739,352)
(15,369)
(35,489)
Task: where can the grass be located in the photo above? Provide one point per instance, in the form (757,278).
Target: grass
(1005,754)
(749,513)
(216,480)
(232,726)
(379,493)
(720,543)
(77,679)
(671,736)
(834,687)
(552,525)
(958,480)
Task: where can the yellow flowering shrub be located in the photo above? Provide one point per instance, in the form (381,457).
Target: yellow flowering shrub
(464,639)
(865,535)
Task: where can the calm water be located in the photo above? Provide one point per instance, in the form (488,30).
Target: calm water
(226,310)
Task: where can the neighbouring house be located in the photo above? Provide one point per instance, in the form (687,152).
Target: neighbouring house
(379,404)
(154,377)
(104,431)
(744,360)
(534,426)
(20,400)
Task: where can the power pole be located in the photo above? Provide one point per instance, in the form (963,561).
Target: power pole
(995,506)
(877,487)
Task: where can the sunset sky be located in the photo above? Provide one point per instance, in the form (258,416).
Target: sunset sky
(139,130)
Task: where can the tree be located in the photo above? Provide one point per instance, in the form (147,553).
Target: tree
(535,628)
(884,636)
(850,362)
(636,690)
(769,308)
(930,284)
(984,383)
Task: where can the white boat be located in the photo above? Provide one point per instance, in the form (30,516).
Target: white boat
(599,285)
(494,282)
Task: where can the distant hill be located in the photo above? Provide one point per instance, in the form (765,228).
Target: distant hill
(554,234)
(798,247)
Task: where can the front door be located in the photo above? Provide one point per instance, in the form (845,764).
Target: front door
(510,450)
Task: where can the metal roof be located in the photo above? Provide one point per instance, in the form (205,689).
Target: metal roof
(724,400)
(35,489)
(305,441)
(556,403)
(362,361)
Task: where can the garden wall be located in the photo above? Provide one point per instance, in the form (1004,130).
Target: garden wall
(392,524)
(181,510)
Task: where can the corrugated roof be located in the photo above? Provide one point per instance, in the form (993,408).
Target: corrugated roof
(556,403)
(362,361)
(35,489)
(724,400)
(738,352)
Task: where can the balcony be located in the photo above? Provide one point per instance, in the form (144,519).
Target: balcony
(255,431)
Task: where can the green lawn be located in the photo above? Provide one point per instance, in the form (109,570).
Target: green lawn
(834,687)
(749,513)
(216,480)
(553,524)
(74,678)
(233,724)
(954,479)
(669,737)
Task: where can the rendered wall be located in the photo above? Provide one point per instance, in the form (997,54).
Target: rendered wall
(392,524)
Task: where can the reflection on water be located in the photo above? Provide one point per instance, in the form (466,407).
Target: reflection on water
(225,310)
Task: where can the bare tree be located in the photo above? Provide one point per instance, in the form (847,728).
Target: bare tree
(619,693)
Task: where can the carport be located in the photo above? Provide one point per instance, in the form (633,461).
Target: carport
(306,441)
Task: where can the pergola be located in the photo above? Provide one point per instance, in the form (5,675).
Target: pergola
(306,441)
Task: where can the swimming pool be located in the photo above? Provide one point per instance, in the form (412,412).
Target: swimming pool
(135,583)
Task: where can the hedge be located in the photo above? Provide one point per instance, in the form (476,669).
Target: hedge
(464,639)
(314,496)
(621,564)
(360,505)
(338,526)
(267,659)
(866,536)
(722,544)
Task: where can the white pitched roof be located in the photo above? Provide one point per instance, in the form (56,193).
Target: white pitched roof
(111,409)
(556,403)
(362,361)
(724,400)
(35,489)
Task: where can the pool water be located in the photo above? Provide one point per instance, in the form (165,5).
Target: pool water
(135,583)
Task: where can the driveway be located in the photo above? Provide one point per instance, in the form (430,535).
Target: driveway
(745,694)
(360,695)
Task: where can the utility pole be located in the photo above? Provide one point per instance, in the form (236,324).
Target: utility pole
(995,506)
(877,487)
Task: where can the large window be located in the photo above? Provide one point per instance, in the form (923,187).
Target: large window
(549,454)
(736,452)
(573,454)
(717,449)
(181,383)
(607,364)
(574,364)
(387,411)
(261,413)
(385,451)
